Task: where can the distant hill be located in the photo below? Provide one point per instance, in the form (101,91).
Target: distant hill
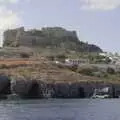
(51,37)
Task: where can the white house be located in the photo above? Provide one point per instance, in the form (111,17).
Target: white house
(75,61)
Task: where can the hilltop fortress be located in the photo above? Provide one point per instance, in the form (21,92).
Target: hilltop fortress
(49,37)
(35,37)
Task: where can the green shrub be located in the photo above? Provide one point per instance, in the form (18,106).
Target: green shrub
(86,71)
(24,55)
(110,70)
(51,58)
(3,66)
(90,71)
(74,68)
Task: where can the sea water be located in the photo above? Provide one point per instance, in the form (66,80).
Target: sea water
(61,109)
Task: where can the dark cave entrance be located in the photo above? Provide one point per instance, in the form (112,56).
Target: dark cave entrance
(81,92)
(34,91)
(7,89)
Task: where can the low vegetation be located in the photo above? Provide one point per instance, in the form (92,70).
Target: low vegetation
(24,55)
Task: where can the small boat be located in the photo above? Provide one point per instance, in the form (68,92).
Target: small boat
(101,93)
(101,96)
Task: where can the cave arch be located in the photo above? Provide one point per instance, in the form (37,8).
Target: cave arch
(81,92)
(34,91)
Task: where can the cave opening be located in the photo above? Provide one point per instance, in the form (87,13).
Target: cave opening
(34,91)
(6,89)
(81,92)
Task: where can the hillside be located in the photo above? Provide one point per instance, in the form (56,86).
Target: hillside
(55,38)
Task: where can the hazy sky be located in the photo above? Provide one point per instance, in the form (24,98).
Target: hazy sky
(96,21)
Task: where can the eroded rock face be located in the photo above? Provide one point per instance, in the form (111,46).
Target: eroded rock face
(78,90)
(27,88)
(20,86)
(38,89)
(66,90)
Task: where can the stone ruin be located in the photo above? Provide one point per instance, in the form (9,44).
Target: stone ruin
(20,37)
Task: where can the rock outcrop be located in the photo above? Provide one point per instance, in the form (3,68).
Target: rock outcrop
(26,88)
(38,89)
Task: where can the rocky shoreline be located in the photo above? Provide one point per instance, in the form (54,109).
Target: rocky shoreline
(38,89)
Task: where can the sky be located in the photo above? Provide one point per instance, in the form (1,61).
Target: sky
(96,21)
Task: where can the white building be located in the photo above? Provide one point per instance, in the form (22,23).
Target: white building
(76,61)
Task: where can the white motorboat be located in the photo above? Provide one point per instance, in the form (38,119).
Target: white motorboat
(101,93)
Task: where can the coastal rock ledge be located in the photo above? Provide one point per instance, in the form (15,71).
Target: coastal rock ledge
(26,88)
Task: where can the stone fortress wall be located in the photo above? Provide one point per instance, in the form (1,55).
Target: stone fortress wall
(34,37)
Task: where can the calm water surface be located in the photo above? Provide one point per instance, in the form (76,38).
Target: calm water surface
(71,109)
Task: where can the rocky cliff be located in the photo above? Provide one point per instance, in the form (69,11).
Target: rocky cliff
(43,79)
(28,88)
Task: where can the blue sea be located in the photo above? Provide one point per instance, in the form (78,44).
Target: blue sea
(60,109)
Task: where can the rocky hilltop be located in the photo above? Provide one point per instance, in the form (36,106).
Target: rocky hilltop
(54,63)
(49,37)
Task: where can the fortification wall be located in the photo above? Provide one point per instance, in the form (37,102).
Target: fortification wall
(20,37)
(32,40)
(13,36)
